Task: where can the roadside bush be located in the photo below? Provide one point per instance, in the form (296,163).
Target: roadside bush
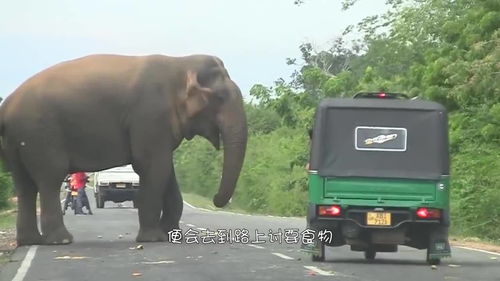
(475,196)
(5,189)
(273,179)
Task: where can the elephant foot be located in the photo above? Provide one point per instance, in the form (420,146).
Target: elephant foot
(61,236)
(24,239)
(151,235)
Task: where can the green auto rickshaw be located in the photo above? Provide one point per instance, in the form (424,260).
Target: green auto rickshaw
(379,175)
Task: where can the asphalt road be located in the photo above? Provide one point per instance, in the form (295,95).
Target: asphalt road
(104,249)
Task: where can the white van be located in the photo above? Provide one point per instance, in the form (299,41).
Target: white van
(117,184)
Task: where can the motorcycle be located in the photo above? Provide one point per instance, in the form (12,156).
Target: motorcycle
(70,200)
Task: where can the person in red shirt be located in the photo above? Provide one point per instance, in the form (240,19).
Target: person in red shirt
(78,181)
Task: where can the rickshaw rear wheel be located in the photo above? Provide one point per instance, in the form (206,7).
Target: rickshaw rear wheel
(99,201)
(321,252)
(432,261)
(370,254)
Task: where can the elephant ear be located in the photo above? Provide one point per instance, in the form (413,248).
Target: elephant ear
(197,97)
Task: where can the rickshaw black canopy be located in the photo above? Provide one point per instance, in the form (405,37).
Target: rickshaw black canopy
(380,138)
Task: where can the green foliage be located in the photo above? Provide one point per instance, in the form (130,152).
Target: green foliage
(272,179)
(475,196)
(442,50)
(198,167)
(261,120)
(5,188)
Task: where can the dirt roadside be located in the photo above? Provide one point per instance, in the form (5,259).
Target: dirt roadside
(7,240)
(7,235)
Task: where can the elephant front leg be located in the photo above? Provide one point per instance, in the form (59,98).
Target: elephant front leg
(150,201)
(172,206)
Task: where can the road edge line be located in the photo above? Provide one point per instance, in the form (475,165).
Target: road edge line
(478,250)
(255,246)
(197,208)
(283,256)
(319,271)
(236,213)
(25,265)
(189,205)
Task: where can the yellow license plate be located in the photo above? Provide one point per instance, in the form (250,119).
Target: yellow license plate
(121,185)
(378,218)
(74,193)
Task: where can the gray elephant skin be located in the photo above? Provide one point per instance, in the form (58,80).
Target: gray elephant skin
(103,111)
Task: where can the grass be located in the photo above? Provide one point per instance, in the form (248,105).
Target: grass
(206,203)
(4,259)
(7,219)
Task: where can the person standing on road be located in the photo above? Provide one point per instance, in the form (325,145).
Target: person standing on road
(78,181)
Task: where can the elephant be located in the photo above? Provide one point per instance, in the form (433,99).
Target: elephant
(103,111)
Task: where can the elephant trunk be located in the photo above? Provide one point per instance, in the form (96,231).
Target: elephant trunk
(233,128)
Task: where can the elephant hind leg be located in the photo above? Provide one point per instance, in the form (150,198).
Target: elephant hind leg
(26,191)
(48,176)
(51,218)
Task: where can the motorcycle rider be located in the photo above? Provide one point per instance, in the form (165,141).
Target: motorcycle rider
(78,181)
(69,198)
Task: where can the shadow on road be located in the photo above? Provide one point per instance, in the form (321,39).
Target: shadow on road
(422,262)
(117,208)
(378,261)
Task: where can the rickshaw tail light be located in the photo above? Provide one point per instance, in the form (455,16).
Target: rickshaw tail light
(425,213)
(332,211)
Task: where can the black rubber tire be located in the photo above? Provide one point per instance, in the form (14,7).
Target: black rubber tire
(99,201)
(434,261)
(321,255)
(73,204)
(370,254)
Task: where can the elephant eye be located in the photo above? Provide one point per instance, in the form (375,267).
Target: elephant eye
(205,77)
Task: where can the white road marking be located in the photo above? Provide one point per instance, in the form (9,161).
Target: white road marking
(189,205)
(478,250)
(157,262)
(25,265)
(233,213)
(283,256)
(190,225)
(197,208)
(201,228)
(319,271)
(255,246)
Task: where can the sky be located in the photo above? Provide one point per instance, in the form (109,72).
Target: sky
(253,38)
